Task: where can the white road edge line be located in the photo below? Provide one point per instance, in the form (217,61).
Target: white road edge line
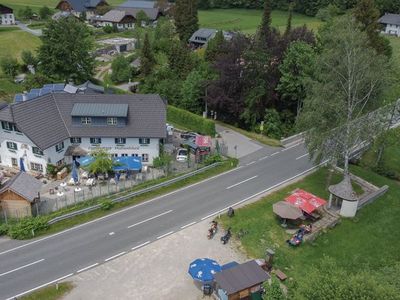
(87,268)
(275,153)
(187,225)
(22,267)
(295,145)
(302,156)
(114,256)
(119,212)
(262,158)
(164,235)
(140,246)
(236,184)
(39,287)
(151,218)
(250,163)
(264,191)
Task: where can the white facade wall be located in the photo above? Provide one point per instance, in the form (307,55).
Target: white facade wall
(50,155)
(7,19)
(392,29)
(119,25)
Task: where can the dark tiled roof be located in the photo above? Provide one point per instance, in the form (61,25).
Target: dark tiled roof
(83,5)
(5,9)
(393,19)
(241,277)
(24,185)
(5,114)
(151,13)
(99,110)
(47,120)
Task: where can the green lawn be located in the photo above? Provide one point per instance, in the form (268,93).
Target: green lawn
(248,20)
(50,292)
(370,240)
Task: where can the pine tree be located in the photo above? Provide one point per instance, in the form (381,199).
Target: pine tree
(214,46)
(147,60)
(186,19)
(289,21)
(265,25)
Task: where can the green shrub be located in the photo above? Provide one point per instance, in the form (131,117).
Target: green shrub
(3,229)
(191,121)
(211,159)
(106,204)
(109,29)
(23,229)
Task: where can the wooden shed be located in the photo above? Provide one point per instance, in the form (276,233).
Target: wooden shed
(19,194)
(241,282)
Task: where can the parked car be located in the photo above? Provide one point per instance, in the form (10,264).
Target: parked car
(188,135)
(182,155)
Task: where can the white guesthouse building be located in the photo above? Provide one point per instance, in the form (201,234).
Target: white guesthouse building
(56,128)
(391,23)
(6,15)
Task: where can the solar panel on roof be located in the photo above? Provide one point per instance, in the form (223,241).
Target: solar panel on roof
(45,91)
(59,87)
(36,91)
(18,98)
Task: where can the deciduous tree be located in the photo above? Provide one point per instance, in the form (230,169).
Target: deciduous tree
(348,80)
(65,52)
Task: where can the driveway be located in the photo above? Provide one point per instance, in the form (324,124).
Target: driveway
(156,271)
(24,27)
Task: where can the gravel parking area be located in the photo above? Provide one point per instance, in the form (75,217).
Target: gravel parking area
(156,271)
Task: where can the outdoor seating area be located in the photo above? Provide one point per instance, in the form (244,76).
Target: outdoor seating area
(231,281)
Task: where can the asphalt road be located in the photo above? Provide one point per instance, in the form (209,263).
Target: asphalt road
(32,264)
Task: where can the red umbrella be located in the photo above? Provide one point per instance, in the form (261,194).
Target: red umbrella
(305,201)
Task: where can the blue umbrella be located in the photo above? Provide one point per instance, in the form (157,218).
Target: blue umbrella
(85,160)
(21,165)
(204,269)
(74,172)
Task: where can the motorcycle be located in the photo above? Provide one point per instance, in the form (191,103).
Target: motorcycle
(213,230)
(225,238)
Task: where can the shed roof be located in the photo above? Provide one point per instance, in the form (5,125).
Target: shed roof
(393,19)
(206,33)
(241,277)
(24,185)
(344,189)
(99,110)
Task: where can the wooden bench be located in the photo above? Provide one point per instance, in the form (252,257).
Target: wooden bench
(281,276)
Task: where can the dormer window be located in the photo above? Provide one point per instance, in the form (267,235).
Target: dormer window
(111,121)
(86,120)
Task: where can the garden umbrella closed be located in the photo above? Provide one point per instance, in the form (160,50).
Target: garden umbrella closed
(204,269)
(21,165)
(287,210)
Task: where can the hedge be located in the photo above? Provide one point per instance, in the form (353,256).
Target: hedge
(191,121)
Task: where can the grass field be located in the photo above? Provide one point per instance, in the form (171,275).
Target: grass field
(50,292)
(369,240)
(248,20)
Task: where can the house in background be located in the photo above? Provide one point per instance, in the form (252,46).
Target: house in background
(6,15)
(19,194)
(391,23)
(119,19)
(78,7)
(118,44)
(202,36)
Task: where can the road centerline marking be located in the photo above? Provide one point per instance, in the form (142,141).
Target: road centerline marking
(265,157)
(141,245)
(22,267)
(275,153)
(187,225)
(250,163)
(115,256)
(87,268)
(151,218)
(164,235)
(236,184)
(302,156)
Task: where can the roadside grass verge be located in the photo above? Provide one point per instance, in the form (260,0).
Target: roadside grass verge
(50,292)
(225,166)
(367,242)
(253,135)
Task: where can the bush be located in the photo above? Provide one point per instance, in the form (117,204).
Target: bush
(121,70)
(9,65)
(3,229)
(211,159)
(109,29)
(191,121)
(23,229)
(106,204)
